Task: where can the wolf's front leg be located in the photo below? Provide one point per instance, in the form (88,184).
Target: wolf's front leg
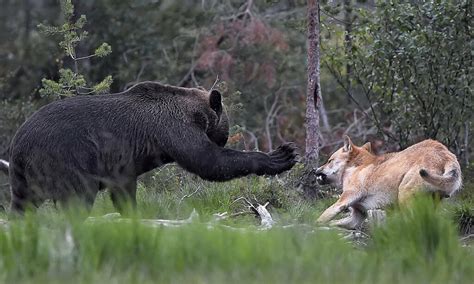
(347,199)
(351,222)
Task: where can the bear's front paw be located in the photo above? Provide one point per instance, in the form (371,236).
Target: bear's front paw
(282,159)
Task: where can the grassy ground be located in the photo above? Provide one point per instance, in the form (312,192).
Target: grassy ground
(420,245)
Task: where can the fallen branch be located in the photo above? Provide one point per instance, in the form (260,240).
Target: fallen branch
(226,215)
(265,217)
(266,220)
(467,238)
(261,211)
(116,217)
(188,195)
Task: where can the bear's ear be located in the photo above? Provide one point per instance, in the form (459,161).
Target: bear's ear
(215,101)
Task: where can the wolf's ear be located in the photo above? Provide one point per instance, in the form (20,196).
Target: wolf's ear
(348,146)
(367,146)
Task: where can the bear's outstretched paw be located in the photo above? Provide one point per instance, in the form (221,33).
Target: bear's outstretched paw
(282,159)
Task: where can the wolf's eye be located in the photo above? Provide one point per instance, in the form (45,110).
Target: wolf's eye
(330,160)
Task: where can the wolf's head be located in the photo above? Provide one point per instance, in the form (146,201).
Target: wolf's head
(333,170)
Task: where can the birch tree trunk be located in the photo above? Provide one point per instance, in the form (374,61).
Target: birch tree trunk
(313,101)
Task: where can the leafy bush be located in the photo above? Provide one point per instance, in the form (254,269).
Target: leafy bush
(414,64)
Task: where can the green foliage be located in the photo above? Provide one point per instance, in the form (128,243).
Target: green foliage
(193,44)
(171,191)
(71,32)
(414,64)
(421,238)
(103,50)
(416,245)
(103,86)
(13,115)
(67,85)
(71,82)
(261,55)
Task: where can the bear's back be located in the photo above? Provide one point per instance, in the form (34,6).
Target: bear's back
(145,107)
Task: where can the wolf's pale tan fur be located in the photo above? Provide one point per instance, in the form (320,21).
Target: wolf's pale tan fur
(374,181)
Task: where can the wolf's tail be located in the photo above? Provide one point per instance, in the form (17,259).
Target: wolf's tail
(448,183)
(4,166)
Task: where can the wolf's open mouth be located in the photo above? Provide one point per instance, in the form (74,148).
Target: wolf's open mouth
(321,179)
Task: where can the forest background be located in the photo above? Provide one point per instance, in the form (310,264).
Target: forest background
(392,73)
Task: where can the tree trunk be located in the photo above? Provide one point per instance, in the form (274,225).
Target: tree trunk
(26,35)
(313,101)
(348,44)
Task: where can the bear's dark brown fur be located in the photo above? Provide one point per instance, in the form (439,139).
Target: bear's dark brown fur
(77,146)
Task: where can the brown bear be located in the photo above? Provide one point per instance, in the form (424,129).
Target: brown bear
(74,147)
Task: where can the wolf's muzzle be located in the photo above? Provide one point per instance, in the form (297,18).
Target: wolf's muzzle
(321,178)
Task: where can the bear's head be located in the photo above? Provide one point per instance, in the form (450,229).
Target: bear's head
(218,133)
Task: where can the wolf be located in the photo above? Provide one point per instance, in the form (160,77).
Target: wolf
(372,181)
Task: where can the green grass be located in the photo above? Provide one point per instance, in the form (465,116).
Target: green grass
(417,245)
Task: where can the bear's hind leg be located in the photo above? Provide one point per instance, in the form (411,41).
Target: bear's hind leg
(21,195)
(124,196)
(77,191)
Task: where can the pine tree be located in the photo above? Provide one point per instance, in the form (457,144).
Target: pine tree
(71,82)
